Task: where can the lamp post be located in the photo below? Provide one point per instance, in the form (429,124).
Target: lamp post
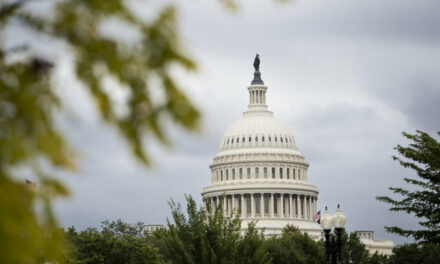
(333,248)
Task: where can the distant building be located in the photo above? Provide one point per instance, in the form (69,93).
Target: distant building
(151,228)
(259,173)
(384,247)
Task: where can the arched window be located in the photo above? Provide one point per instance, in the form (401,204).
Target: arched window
(233,174)
(287,173)
(248,173)
(265,173)
(256,139)
(221,175)
(293,173)
(281,173)
(275,139)
(243,139)
(241,173)
(250,139)
(227,174)
(281,139)
(262,139)
(299,174)
(232,141)
(273,173)
(216,175)
(270,139)
(238,140)
(286,140)
(256,173)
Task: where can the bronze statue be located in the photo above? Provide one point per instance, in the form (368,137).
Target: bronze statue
(257,62)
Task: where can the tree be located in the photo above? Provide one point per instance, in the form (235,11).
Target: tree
(353,251)
(201,237)
(294,247)
(415,254)
(117,242)
(29,136)
(423,156)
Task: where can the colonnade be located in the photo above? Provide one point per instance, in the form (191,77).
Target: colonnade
(265,205)
(257,97)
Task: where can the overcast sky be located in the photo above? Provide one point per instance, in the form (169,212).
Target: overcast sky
(347,77)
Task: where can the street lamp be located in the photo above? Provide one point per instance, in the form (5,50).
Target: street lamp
(333,248)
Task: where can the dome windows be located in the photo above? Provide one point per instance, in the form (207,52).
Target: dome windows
(257,173)
(227,174)
(238,140)
(273,173)
(281,139)
(256,139)
(248,173)
(262,138)
(270,139)
(250,139)
(265,173)
(233,174)
(232,141)
(276,139)
(241,173)
(243,139)
(281,173)
(288,173)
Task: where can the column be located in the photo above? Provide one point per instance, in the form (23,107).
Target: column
(298,206)
(303,207)
(252,206)
(290,206)
(308,207)
(212,205)
(224,205)
(242,206)
(234,206)
(316,205)
(228,201)
(281,207)
(262,205)
(271,206)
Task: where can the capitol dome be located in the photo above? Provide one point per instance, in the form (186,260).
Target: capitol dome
(259,174)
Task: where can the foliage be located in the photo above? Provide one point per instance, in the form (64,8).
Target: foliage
(252,247)
(353,251)
(415,254)
(117,243)
(201,237)
(28,133)
(423,156)
(294,247)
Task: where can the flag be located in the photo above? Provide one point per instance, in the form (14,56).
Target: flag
(317,216)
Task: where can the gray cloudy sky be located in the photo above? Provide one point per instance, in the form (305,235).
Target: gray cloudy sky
(346,76)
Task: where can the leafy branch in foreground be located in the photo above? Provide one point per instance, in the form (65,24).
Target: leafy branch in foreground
(29,136)
(423,156)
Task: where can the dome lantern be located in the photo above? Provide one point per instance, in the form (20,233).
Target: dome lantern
(257,90)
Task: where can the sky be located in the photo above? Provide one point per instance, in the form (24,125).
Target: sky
(347,77)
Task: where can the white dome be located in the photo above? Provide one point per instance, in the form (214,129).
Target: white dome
(259,174)
(258,129)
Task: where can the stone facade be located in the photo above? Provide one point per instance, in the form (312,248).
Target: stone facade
(383,247)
